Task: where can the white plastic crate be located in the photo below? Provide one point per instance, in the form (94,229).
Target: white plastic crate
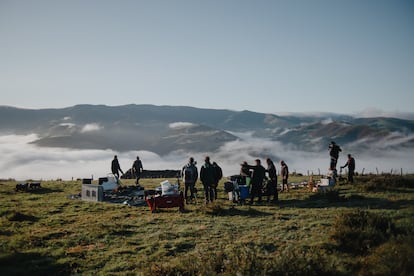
(92,192)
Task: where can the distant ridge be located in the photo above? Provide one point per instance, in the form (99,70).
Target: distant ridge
(164,129)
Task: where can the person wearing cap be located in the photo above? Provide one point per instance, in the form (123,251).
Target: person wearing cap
(137,170)
(258,175)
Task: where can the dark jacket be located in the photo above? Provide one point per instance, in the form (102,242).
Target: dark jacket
(271,170)
(334,150)
(244,170)
(258,174)
(115,167)
(137,166)
(207,174)
(350,163)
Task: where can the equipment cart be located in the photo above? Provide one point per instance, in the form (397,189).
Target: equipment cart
(156,201)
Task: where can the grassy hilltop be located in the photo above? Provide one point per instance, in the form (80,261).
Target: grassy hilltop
(364,229)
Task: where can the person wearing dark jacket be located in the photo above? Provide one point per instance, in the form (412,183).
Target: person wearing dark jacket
(284,173)
(208,177)
(350,163)
(272,186)
(258,175)
(334,151)
(218,176)
(137,169)
(115,167)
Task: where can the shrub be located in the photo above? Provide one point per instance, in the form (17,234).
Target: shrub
(302,261)
(391,258)
(358,231)
(384,183)
(246,260)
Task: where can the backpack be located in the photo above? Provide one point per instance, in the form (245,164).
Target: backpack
(188,174)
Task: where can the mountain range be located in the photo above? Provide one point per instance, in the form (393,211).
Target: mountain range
(165,129)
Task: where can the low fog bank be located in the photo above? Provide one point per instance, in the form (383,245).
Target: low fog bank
(22,160)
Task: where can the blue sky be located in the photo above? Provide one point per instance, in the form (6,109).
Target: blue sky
(267,56)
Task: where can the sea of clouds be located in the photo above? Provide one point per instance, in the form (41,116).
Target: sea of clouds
(23,160)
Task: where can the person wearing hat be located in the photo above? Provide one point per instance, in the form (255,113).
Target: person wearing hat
(258,175)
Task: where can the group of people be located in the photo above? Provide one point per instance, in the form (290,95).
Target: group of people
(334,151)
(210,175)
(136,168)
(256,174)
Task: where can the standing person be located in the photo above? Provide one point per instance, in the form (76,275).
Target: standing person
(271,171)
(137,170)
(218,176)
(284,172)
(207,177)
(334,151)
(190,175)
(258,175)
(350,163)
(245,173)
(115,167)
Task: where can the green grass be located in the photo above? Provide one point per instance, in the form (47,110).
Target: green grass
(364,229)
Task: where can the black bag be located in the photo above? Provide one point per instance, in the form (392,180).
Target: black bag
(228,186)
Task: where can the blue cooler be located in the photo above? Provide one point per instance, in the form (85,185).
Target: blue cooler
(244,191)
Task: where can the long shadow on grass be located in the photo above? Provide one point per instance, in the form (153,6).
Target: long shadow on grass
(123,233)
(357,201)
(18,216)
(232,211)
(44,191)
(32,264)
(40,191)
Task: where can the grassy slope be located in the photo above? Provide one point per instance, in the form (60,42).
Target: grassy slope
(44,232)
